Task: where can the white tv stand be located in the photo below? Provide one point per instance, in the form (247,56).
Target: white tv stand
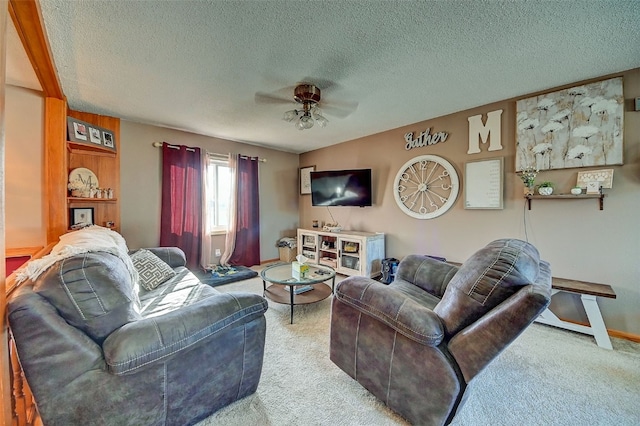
(348,252)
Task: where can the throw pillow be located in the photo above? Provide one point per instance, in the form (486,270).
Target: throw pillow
(152,270)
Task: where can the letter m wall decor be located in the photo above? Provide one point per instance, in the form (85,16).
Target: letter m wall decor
(481,132)
(577,127)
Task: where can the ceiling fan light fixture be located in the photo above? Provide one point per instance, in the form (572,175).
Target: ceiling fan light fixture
(308,96)
(290,115)
(322,122)
(308,99)
(316,113)
(305,122)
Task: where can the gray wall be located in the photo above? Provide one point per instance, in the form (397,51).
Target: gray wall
(579,240)
(141,174)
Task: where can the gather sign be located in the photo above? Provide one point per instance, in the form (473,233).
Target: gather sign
(424,138)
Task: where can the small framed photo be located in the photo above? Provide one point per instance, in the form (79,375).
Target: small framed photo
(107,139)
(593,187)
(604,176)
(78,130)
(81,216)
(94,135)
(305,179)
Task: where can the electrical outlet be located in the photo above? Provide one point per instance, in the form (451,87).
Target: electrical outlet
(218,253)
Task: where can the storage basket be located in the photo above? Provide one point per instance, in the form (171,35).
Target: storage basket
(287,254)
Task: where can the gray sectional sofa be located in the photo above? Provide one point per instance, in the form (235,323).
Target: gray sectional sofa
(96,351)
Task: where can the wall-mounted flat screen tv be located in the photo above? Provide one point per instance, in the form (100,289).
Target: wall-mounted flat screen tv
(341,188)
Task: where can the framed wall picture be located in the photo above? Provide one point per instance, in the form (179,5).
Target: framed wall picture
(605,177)
(577,127)
(483,184)
(78,130)
(305,179)
(94,135)
(90,135)
(79,217)
(107,140)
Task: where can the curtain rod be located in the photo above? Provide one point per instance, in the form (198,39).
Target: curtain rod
(159,145)
(262,160)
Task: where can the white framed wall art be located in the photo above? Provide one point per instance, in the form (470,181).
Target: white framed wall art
(577,127)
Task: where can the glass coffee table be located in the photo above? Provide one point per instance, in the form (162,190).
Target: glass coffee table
(283,284)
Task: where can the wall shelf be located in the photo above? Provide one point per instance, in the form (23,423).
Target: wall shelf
(79,148)
(91,200)
(566,197)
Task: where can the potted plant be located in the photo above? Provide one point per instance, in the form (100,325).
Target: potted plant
(545,188)
(576,190)
(528,176)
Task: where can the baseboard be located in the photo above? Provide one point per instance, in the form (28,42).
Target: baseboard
(612,333)
(624,335)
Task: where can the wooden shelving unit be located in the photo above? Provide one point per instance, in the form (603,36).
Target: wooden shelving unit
(566,197)
(62,156)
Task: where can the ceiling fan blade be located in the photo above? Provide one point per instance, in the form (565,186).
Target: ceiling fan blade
(339,109)
(280,96)
(269,98)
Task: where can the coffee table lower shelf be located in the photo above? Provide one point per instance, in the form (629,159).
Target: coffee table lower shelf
(278,294)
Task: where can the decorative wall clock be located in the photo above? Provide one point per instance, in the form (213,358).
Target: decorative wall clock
(426,186)
(85,177)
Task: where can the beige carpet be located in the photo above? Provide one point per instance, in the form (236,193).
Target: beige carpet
(547,376)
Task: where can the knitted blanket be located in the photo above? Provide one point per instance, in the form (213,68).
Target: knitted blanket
(90,239)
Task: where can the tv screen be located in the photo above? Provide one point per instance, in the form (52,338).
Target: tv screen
(341,188)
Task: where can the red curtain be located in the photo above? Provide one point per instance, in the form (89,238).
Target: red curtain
(247,247)
(181,215)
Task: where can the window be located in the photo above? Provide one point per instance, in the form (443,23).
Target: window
(218,193)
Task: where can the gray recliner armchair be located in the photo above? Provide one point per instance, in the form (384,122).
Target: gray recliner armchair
(418,343)
(95,351)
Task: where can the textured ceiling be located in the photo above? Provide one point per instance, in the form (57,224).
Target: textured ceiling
(196,65)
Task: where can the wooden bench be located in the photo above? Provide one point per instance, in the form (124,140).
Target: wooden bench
(588,293)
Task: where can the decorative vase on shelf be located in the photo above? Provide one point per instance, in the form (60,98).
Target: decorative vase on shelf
(576,191)
(545,190)
(528,190)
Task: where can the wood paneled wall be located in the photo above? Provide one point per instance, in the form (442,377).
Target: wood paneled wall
(55,160)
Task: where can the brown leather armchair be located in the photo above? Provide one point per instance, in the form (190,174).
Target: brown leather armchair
(417,343)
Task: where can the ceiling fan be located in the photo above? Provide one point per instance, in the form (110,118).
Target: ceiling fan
(309,96)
